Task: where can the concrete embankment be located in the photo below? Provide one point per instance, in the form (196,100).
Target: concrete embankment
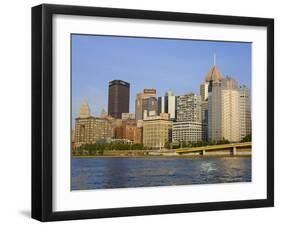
(151,153)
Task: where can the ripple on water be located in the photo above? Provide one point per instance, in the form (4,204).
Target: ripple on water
(97,173)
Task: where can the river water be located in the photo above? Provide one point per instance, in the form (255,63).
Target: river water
(107,172)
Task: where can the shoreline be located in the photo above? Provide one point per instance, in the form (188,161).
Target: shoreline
(157,156)
(220,151)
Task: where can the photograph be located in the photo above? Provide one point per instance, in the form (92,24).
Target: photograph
(149,111)
(140,112)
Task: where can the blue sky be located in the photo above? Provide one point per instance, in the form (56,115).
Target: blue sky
(164,64)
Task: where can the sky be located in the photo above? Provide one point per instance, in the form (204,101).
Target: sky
(163,64)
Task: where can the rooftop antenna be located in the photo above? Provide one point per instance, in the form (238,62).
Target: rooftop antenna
(214,59)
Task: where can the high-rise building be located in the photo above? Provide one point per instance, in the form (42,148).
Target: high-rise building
(214,78)
(223,107)
(245,111)
(188,126)
(230,110)
(204,101)
(157,131)
(214,112)
(118,98)
(188,108)
(149,107)
(204,90)
(167,104)
(147,93)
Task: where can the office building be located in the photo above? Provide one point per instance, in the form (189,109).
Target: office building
(89,129)
(188,126)
(189,132)
(214,79)
(149,107)
(128,130)
(245,111)
(223,107)
(157,131)
(188,108)
(204,90)
(167,104)
(118,98)
(147,93)
(230,110)
(204,102)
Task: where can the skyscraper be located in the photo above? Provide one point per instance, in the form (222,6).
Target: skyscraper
(118,98)
(245,111)
(139,102)
(167,104)
(204,101)
(230,110)
(188,108)
(214,79)
(149,106)
(204,90)
(188,126)
(223,107)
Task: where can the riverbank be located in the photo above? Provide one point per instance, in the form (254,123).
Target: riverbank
(159,153)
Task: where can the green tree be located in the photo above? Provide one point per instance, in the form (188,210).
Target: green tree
(247,138)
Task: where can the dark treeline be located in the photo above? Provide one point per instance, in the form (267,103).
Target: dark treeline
(111,146)
(99,148)
(184,144)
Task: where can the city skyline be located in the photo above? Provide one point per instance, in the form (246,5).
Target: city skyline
(89,80)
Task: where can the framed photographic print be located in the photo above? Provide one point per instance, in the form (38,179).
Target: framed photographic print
(145,112)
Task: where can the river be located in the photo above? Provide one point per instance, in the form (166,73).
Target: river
(123,172)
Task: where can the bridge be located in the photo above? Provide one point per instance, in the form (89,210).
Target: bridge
(222,149)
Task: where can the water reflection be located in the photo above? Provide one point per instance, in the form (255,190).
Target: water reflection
(95,173)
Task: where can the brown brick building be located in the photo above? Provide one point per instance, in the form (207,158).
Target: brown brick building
(129,130)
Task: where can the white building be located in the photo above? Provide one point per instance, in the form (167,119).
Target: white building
(167,104)
(188,108)
(125,116)
(188,126)
(223,107)
(189,132)
(85,111)
(204,90)
(230,110)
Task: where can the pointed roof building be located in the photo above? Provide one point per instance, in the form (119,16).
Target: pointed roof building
(213,75)
(85,111)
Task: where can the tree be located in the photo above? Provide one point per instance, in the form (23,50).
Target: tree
(247,138)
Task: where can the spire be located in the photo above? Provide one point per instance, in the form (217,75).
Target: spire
(85,111)
(213,75)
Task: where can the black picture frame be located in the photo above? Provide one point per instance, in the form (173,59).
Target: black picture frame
(42,107)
